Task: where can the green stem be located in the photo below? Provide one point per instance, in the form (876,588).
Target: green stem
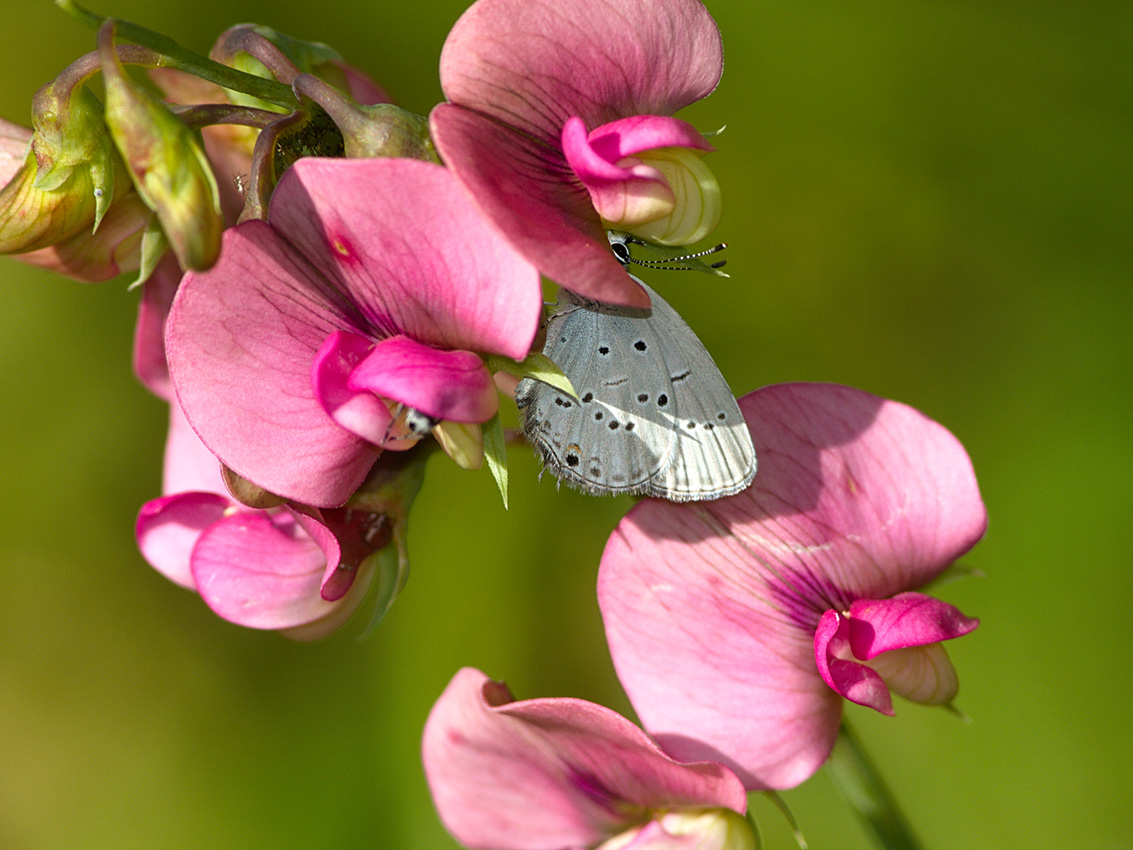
(186,60)
(864,789)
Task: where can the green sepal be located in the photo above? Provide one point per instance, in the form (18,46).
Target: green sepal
(154,245)
(391,569)
(495,453)
(538,367)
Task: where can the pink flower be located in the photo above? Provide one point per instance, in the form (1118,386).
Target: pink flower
(545,774)
(374,284)
(737,626)
(265,569)
(558,124)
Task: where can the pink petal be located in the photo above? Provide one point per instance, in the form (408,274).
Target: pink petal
(529,193)
(400,240)
(641,133)
(361,413)
(359,85)
(149,332)
(550,773)
(189,466)
(451,385)
(856,682)
(168,529)
(908,619)
(711,609)
(619,192)
(534,63)
(261,570)
(241,339)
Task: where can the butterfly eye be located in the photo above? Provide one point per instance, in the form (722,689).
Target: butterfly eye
(621,253)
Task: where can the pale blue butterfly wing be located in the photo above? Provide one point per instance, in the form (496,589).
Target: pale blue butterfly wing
(654,416)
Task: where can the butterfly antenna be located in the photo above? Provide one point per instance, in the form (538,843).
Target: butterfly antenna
(621,251)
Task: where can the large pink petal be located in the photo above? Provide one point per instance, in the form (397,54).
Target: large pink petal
(401,240)
(168,529)
(550,773)
(711,609)
(241,339)
(528,191)
(261,570)
(535,63)
(452,385)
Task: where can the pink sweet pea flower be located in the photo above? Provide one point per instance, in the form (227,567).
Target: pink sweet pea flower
(738,626)
(546,774)
(374,285)
(558,123)
(265,569)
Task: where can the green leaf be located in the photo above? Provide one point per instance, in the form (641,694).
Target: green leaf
(538,367)
(495,453)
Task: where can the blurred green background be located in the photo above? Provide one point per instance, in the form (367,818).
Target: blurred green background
(932,201)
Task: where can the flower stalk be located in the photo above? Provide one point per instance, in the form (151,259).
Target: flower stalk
(187,60)
(862,786)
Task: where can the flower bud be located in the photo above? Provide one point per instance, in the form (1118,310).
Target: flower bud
(462,441)
(166,163)
(70,172)
(112,249)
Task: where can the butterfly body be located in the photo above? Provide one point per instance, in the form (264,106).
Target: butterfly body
(653,415)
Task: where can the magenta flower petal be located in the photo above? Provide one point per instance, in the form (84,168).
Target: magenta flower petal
(711,610)
(534,63)
(545,774)
(507,175)
(359,412)
(261,570)
(908,619)
(374,248)
(856,682)
(168,528)
(641,133)
(454,385)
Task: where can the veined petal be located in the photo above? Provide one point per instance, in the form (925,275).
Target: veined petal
(550,773)
(535,63)
(241,339)
(168,528)
(260,570)
(400,240)
(450,385)
(516,180)
(711,609)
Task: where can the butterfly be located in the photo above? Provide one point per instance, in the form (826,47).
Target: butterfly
(653,414)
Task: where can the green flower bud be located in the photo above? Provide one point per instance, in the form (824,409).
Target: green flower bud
(70,172)
(166,163)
